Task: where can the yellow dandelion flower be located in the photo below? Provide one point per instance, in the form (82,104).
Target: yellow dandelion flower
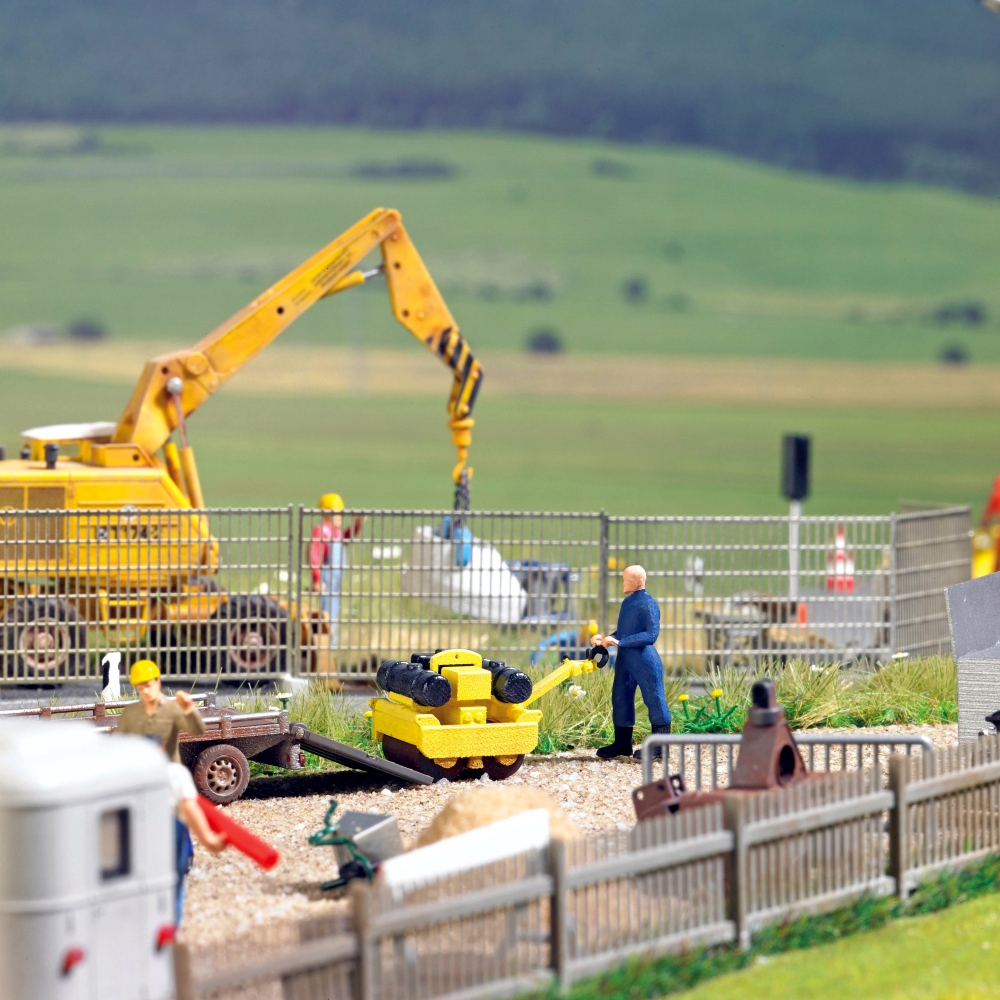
(682,697)
(717,693)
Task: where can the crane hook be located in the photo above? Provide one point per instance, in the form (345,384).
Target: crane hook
(461,436)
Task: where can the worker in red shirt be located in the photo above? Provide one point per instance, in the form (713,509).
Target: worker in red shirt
(326,556)
(992,510)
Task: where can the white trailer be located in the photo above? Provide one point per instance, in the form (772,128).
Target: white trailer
(87,873)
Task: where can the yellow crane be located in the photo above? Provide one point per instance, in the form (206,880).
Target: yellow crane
(173,386)
(57,573)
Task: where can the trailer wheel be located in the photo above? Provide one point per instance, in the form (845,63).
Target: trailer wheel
(499,768)
(248,635)
(221,773)
(400,752)
(43,637)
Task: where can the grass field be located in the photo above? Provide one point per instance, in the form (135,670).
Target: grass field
(533,453)
(163,232)
(950,955)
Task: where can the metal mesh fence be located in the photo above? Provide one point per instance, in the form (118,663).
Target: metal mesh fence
(239,593)
(931,552)
(385,584)
(204,593)
(734,589)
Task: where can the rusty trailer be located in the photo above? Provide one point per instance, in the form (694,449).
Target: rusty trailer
(219,757)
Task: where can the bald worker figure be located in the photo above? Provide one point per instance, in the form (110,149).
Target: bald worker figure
(637,664)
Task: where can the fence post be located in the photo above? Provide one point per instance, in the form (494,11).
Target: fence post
(557,915)
(899,839)
(893,585)
(183,984)
(602,575)
(294,547)
(365,980)
(735,822)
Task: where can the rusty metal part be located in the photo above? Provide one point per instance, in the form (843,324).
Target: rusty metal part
(768,757)
(658,798)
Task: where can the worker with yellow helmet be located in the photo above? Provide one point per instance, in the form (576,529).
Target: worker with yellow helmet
(155,715)
(326,556)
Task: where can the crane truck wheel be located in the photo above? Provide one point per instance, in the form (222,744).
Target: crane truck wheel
(400,752)
(248,635)
(221,773)
(43,637)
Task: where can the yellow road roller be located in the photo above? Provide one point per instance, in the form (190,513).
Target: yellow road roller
(451,711)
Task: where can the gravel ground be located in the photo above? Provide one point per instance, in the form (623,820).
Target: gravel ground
(227,895)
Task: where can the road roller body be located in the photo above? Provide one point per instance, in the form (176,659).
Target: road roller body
(453,710)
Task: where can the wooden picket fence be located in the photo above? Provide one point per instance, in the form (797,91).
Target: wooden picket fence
(705,876)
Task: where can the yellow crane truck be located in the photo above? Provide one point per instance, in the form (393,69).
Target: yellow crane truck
(136,557)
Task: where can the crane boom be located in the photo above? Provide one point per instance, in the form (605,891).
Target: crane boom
(154,411)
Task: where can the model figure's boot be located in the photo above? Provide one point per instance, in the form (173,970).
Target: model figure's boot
(622,746)
(657,752)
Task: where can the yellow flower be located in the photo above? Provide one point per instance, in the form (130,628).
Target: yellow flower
(717,693)
(682,697)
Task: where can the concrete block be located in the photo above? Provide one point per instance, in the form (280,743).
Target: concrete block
(974,622)
(374,835)
(974,614)
(978,691)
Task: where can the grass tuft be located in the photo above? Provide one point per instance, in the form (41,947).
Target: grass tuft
(578,713)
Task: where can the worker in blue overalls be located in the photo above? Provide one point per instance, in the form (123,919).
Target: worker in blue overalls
(637,665)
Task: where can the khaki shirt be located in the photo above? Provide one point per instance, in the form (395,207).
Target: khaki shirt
(165,724)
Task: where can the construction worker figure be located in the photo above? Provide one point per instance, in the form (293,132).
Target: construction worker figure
(326,557)
(154,715)
(637,664)
(188,819)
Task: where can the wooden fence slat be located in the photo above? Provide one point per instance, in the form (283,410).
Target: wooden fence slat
(816,818)
(398,921)
(651,859)
(558,919)
(955,781)
(301,958)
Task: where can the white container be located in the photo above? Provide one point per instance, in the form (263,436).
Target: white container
(87,876)
(466,577)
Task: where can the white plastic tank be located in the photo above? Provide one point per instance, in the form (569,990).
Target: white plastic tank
(87,879)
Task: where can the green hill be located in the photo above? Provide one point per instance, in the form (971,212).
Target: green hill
(161,233)
(883,89)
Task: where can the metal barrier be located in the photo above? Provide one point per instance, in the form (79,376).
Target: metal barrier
(930,552)
(238,593)
(707,760)
(819,588)
(390,583)
(204,593)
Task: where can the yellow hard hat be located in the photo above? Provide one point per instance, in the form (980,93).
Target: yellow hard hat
(331,501)
(142,671)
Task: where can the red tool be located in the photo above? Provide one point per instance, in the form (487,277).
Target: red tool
(239,836)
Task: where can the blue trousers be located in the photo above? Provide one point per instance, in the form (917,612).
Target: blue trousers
(633,672)
(330,577)
(184,855)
